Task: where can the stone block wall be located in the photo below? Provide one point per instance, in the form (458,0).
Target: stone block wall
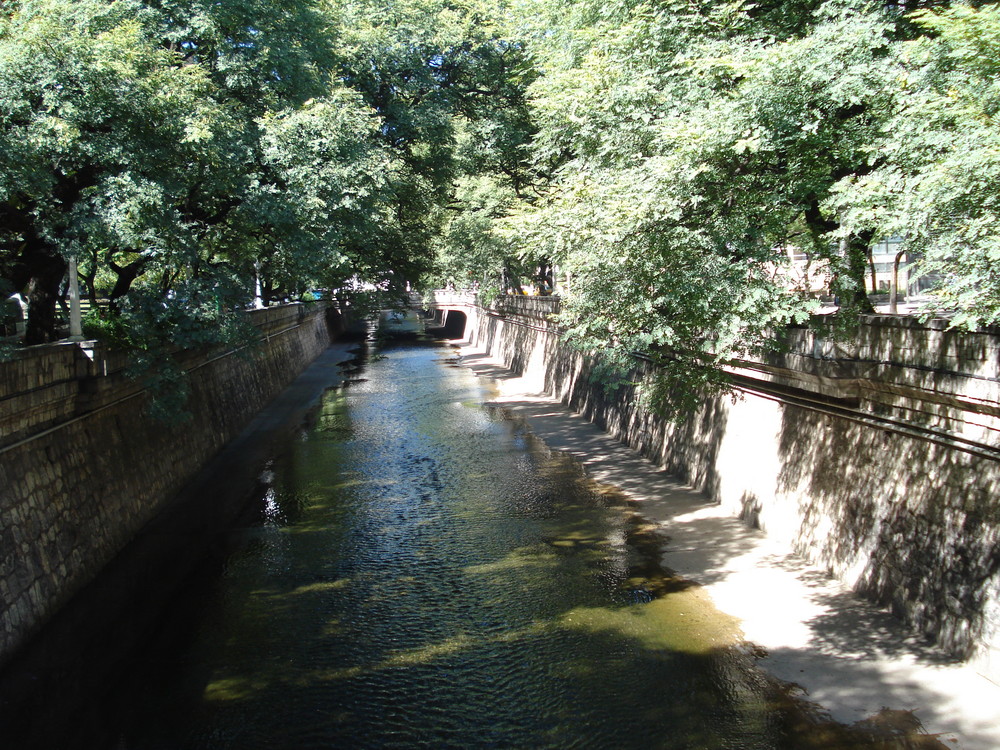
(82,466)
(874,457)
(925,375)
(38,388)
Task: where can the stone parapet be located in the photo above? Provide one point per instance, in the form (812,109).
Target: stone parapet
(924,375)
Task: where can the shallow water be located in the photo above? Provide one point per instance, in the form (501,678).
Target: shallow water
(417,570)
(425,573)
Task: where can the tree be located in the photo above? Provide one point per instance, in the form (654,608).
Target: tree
(448,82)
(810,107)
(670,192)
(937,183)
(470,250)
(164,145)
(95,119)
(666,154)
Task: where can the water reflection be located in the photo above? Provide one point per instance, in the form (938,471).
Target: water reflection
(429,574)
(422,572)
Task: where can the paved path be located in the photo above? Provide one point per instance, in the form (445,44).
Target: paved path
(846,655)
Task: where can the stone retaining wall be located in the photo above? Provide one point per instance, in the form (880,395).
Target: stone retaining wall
(82,467)
(876,458)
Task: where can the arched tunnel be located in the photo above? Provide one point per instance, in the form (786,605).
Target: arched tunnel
(447,324)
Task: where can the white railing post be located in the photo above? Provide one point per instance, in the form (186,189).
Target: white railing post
(75,319)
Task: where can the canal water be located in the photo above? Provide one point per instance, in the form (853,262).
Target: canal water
(417,570)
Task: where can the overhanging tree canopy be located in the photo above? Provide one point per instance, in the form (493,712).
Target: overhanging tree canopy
(666,153)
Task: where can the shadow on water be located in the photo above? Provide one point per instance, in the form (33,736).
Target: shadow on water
(409,570)
(70,686)
(798,723)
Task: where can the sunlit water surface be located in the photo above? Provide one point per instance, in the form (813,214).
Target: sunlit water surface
(426,574)
(422,572)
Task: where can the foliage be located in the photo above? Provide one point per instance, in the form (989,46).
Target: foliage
(154,329)
(471,251)
(663,155)
(938,181)
(323,153)
(97,121)
(683,147)
(672,188)
(182,145)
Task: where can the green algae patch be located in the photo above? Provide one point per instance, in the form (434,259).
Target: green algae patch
(684,622)
(233,689)
(527,557)
(320,587)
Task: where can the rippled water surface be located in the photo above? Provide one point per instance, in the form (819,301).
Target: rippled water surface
(428,575)
(422,572)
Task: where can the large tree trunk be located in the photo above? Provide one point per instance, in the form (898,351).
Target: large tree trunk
(43,295)
(125,276)
(40,269)
(38,273)
(853,283)
(511,280)
(850,282)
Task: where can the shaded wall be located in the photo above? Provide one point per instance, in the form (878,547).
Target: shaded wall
(82,467)
(877,458)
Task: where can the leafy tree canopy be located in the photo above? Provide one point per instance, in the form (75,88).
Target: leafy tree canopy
(663,155)
(938,171)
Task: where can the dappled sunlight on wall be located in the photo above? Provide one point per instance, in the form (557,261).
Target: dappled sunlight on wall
(850,454)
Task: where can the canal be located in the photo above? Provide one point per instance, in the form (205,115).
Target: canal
(415,569)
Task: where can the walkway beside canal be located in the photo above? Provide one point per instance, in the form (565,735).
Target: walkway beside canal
(847,656)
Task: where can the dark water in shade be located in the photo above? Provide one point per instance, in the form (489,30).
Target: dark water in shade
(421,572)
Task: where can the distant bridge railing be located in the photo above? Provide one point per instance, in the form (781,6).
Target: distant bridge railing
(442,298)
(528,305)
